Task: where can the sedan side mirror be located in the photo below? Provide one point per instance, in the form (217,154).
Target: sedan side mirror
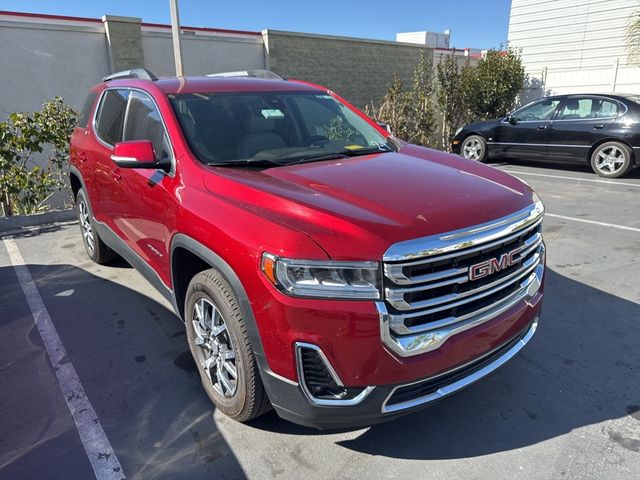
(134,154)
(512,120)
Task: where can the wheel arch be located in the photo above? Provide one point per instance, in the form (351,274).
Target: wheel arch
(76,181)
(190,257)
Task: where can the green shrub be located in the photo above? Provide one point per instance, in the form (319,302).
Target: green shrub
(25,186)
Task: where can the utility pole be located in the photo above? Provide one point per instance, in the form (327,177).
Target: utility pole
(175,32)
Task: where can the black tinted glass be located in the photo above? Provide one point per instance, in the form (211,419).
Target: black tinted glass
(144,123)
(111,116)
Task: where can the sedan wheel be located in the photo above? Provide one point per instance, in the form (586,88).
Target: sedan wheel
(611,159)
(474,148)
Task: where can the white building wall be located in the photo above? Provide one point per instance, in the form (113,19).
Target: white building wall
(575,46)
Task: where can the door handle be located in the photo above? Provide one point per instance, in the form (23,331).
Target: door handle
(598,127)
(542,127)
(115,174)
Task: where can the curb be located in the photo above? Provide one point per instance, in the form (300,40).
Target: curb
(23,221)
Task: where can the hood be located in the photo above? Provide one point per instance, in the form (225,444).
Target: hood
(355,208)
(478,126)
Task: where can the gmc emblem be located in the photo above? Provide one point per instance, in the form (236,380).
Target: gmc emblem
(493,265)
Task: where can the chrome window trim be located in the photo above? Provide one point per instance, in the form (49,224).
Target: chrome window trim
(463,382)
(430,340)
(464,238)
(562,100)
(104,143)
(323,402)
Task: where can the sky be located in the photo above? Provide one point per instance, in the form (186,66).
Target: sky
(473,23)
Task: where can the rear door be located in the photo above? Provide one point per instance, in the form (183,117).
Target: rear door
(580,121)
(525,136)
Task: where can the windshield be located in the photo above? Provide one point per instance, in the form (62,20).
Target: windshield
(272,127)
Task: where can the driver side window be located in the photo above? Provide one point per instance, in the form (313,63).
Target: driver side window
(540,111)
(143,122)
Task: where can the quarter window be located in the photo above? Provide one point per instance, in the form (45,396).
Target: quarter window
(143,122)
(83,118)
(111,116)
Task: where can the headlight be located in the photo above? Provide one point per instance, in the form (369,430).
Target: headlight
(458,131)
(323,278)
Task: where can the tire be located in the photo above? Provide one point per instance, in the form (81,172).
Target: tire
(210,302)
(474,147)
(612,160)
(93,245)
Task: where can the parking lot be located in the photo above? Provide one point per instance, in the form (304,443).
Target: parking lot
(568,406)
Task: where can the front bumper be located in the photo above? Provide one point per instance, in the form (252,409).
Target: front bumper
(387,402)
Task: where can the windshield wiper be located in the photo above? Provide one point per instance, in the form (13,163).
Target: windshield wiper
(342,154)
(257,162)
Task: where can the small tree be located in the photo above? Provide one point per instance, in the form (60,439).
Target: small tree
(24,185)
(410,113)
(633,37)
(493,87)
(451,83)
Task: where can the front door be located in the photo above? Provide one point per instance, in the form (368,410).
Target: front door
(524,133)
(140,216)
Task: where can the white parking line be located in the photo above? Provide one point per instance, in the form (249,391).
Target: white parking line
(593,222)
(562,177)
(96,445)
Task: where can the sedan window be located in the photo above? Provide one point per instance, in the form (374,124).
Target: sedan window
(542,110)
(582,108)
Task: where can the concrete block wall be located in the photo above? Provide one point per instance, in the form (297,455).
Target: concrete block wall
(357,69)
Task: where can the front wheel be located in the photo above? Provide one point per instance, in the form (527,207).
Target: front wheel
(474,147)
(612,160)
(219,342)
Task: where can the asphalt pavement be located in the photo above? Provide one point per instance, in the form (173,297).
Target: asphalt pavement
(568,406)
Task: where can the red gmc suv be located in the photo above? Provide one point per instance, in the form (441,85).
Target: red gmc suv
(321,266)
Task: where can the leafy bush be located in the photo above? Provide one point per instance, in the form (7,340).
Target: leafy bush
(456,94)
(410,114)
(25,186)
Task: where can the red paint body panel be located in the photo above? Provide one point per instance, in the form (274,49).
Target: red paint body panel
(346,209)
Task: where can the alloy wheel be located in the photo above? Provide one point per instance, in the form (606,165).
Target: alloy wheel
(85,225)
(472,149)
(610,159)
(216,355)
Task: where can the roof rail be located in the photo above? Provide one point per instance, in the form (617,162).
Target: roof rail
(266,74)
(141,73)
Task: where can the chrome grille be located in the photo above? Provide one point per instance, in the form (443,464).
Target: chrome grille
(431,294)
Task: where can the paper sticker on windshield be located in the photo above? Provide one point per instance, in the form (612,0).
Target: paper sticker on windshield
(353,147)
(272,113)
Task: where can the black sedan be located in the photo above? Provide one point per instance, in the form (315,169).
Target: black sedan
(603,130)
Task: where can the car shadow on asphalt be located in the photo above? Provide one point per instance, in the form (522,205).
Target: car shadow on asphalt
(580,369)
(130,353)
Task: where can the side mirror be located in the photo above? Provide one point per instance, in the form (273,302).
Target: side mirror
(386,126)
(512,120)
(134,154)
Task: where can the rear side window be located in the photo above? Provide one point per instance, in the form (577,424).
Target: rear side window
(588,107)
(111,116)
(83,118)
(144,123)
